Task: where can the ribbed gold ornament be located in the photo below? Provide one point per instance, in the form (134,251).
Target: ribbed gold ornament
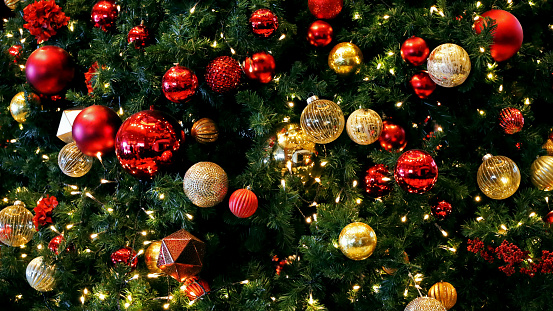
(345,58)
(19,108)
(11,3)
(73,162)
(548,146)
(40,275)
(322,120)
(541,173)
(205,131)
(498,177)
(205,184)
(425,304)
(448,65)
(445,293)
(357,241)
(364,126)
(16,225)
(151,255)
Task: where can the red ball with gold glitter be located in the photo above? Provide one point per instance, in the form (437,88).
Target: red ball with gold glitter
(49,70)
(15,51)
(264,22)
(507,35)
(422,84)
(378,181)
(195,288)
(415,51)
(126,256)
(416,171)
(140,36)
(243,203)
(511,120)
(223,74)
(320,33)
(325,9)
(442,209)
(260,67)
(392,137)
(104,14)
(179,84)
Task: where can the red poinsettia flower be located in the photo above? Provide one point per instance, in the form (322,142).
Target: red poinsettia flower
(43,18)
(43,211)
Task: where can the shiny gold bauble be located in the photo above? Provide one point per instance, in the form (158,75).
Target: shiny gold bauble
(425,304)
(205,184)
(294,152)
(357,241)
(445,293)
(498,177)
(151,255)
(391,271)
(345,59)
(322,120)
(16,225)
(73,162)
(541,173)
(40,275)
(364,126)
(448,65)
(11,3)
(19,108)
(205,131)
(548,146)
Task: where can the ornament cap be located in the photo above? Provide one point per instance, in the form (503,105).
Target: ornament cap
(18,203)
(486,157)
(312,99)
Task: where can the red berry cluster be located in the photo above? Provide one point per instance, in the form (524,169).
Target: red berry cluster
(511,254)
(279,264)
(477,246)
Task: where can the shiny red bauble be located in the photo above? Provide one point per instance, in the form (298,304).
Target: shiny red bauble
(55,244)
(104,14)
(441,210)
(416,171)
(179,84)
(14,51)
(264,22)
(140,36)
(392,137)
(325,9)
(126,256)
(511,120)
(320,33)
(548,218)
(415,51)
(243,203)
(260,67)
(49,70)
(195,288)
(223,74)
(507,36)
(378,181)
(422,84)
(148,142)
(94,130)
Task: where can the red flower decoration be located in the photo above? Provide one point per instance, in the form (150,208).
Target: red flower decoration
(43,211)
(43,18)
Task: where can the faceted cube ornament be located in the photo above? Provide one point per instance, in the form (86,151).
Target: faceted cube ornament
(181,255)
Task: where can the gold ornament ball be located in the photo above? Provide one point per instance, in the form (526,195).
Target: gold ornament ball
(425,304)
(11,3)
(357,241)
(40,275)
(205,131)
(19,108)
(73,162)
(205,184)
(448,65)
(294,151)
(151,255)
(345,59)
(322,120)
(364,126)
(498,177)
(445,293)
(391,271)
(542,173)
(16,225)
(548,146)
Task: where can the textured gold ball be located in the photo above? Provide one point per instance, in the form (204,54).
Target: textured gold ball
(548,146)
(445,293)
(151,255)
(19,108)
(11,3)
(345,58)
(205,131)
(205,184)
(448,65)
(498,177)
(357,241)
(322,120)
(541,173)
(16,225)
(73,162)
(364,126)
(425,304)
(40,275)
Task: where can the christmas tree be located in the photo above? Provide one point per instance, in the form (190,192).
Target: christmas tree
(171,155)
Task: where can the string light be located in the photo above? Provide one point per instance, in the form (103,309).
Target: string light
(398,104)
(527,101)
(479,218)
(426,216)
(189,216)
(477,198)
(245,282)
(101,296)
(503,227)
(356,287)
(282,37)
(404,218)
(166,306)
(23,255)
(355,183)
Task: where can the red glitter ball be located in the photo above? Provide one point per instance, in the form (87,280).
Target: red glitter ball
(223,74)
(125,256)
(264,22)
(325,9)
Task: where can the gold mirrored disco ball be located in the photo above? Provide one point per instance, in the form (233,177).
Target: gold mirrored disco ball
(448,65)
(541,173)
(357,241)
(498,177)
(322,120)
(16,225)
(345,59)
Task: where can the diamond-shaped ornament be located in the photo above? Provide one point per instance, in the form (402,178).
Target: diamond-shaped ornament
(65,129)
(181,255)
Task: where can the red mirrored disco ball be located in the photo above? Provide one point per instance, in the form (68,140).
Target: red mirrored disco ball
(416,171)
(392,137)
(378,181)
(94,130)
(320,33)
(260,67)
(49,70)
(179,84)
(264,22)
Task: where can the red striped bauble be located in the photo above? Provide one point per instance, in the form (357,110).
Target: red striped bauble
(243,203)
(195,288)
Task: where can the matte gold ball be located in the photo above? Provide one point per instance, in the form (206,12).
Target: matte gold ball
(364,126)
(425,304)
(151,255)
(40,275)
(445,293)
(205,131)
(19,108)
(541,173)
(73,162)
(357,241)
(345,59)
(498,177)
(448,65)
(205,184)
(322,120)
(16,225)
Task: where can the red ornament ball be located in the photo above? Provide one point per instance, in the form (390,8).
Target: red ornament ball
(264,22)
(325,9)
(416,171)
(422,84)
(511,120)
(260,67)
(94,130)
(92,70)
(415,51)
(104,13)
(507,36)
(140,36)
(548,218)
(55,244)
(195,288)
(223,74)
(148,141)
(243,203)
(441,210)
(125,256)
(179,84)
(392,137)
(49,70)
(14,51)
(320,33)
(378,181)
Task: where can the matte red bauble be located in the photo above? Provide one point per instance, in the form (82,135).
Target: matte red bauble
(260,67)
(223,74)
(14,51)
(94,130)
(104,13)
(416,171)
(140,36)
(264,22)
(148,142)
(422,84)
(125,256)
(378,181)
(511,120)
(441,210)
(392,137)
(179,84)
(548,218)
(49,70)
(325,9)
(243,203)
(320,33)
(415,51)
(507,36)
(195,288)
